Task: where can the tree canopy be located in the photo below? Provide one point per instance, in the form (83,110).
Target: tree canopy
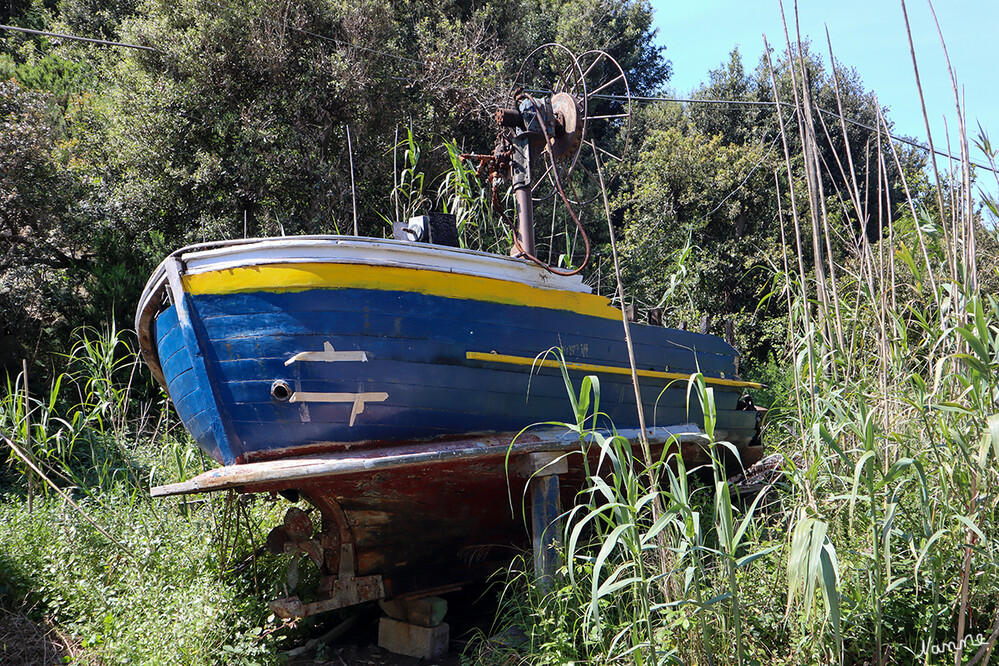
(238,122)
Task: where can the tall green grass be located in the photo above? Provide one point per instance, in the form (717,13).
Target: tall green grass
(651,575)
(138,581)
(881,545)
(459,191)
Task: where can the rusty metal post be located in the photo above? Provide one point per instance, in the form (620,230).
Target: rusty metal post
(528,122)
(522,161)
(525,219)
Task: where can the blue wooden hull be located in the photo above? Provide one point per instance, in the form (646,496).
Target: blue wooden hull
(435,364)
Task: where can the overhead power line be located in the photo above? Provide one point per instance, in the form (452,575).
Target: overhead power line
(743,102)
(79,39)
(642,99)
(737,102)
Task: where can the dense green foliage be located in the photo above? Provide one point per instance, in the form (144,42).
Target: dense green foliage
(702,206)
(238,123)
(86,547)
(128,605)
(862,291)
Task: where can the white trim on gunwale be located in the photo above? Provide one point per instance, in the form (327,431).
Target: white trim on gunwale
(376,252)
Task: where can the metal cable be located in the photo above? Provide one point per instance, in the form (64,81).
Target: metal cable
(79,39)
(740,102)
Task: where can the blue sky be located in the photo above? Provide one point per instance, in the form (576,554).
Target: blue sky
(868,35)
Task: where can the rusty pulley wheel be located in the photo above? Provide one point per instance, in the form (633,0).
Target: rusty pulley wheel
(608,123)
(552,71)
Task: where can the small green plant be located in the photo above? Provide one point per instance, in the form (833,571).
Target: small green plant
(462,193)
(137,581)
(410,192)
(459,192)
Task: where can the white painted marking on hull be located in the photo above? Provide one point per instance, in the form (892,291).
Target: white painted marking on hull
(358,399)
(328,355)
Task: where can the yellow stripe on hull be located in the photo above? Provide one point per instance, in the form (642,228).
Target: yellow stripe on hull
(608,369)
(301,277)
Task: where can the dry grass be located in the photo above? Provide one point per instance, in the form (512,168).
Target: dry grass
(26,642)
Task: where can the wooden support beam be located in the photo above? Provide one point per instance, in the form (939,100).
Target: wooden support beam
(343,593)
(545,463)
(546,511)
(413,640)
(546,527)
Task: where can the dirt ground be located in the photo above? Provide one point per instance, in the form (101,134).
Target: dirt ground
(352,655)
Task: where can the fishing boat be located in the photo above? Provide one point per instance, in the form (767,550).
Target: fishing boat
(389,383)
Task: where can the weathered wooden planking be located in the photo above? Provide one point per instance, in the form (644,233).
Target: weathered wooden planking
(429,318)
(290,472)
(422,342)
